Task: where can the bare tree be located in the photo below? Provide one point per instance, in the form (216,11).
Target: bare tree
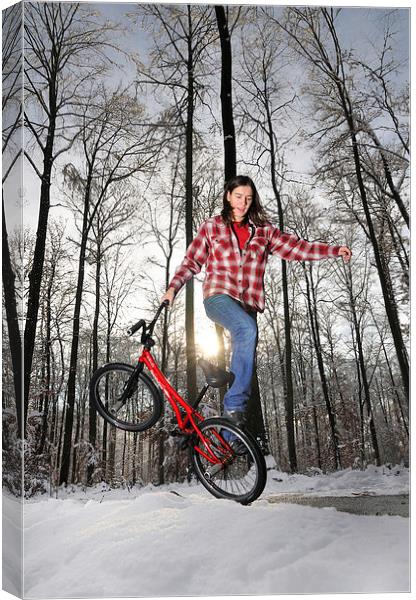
(180,63)
(111,228)
(11,142)
(314,35)
(265,93)
(393,108)
(63,50)
(116,286)
(225,31)
(116,145)
(165,235)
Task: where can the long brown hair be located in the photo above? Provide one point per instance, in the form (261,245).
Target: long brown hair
(256,212)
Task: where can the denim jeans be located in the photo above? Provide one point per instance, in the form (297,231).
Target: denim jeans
(242,325)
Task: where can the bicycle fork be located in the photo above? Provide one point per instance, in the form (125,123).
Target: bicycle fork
(129,388)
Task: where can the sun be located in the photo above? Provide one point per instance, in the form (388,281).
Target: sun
(207,341)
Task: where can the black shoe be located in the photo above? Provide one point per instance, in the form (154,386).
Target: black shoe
(239,418)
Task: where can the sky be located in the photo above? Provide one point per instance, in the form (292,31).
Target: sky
(355,20)
(358,28)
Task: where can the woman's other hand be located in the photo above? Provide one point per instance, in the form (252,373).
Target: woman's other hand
(346,253)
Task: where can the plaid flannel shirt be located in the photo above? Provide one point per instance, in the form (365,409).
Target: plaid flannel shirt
(239,273)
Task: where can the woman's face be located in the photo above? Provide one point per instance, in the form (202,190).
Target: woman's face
(240,200)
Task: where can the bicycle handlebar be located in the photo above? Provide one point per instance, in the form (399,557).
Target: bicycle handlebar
(142,322)
(136,327)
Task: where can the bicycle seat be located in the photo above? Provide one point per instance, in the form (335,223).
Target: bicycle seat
(215,376)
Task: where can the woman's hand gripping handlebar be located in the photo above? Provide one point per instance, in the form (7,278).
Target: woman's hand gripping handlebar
(169,295)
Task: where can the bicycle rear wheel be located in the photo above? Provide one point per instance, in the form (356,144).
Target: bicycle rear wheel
(137,411)
(242,474)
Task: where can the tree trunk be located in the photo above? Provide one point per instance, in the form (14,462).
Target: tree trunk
(289,399)
(364,379)
(229,140)
(47,379)
(189,294)
(226,94)
(255,421)
(76,443)
(161,424)
(123,459)
(311,300)
(92,421)
(35,275)
(134,459)
(104,457)
(111,459)
(315,421)
(275,411)
(12,318)
(66,457)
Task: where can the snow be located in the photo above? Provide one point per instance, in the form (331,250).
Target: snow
(373,480)
(179,540)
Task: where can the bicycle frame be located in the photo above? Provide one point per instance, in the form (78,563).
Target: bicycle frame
(188,423)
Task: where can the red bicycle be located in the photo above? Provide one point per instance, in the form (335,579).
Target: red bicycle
(227,460)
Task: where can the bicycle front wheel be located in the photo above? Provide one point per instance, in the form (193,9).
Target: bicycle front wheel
(241,472)
(137,410)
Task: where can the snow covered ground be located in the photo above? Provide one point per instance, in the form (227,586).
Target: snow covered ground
(154,542)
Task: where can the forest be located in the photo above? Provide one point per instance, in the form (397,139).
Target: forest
(121,124)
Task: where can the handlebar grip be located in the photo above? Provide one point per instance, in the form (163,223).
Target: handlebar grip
(136,327)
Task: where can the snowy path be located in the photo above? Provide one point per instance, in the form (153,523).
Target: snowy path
(153,542)
(397,505)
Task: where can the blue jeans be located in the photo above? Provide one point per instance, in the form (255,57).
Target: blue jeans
(242,325)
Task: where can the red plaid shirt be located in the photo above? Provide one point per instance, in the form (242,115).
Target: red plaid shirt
(239,273)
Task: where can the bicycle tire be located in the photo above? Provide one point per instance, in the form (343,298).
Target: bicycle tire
(244,478)
(140,412)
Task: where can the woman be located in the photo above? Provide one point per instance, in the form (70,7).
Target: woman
(234,247)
